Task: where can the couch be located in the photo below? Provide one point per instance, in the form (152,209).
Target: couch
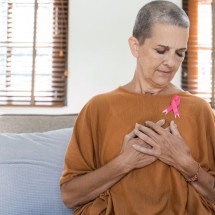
(32,149)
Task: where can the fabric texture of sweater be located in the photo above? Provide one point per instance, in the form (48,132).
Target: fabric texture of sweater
(157,188)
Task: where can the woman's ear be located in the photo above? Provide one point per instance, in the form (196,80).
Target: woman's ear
(134,46)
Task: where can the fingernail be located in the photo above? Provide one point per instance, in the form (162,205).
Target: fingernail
(174,123)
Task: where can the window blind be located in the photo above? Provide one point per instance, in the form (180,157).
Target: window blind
(33,52)
(198,68)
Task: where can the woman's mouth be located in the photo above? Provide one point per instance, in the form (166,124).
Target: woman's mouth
(164,71)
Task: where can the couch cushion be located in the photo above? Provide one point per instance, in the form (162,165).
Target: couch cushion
(30,169)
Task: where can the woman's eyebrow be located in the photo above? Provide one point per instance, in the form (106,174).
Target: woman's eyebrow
(163,46)
(167,47)
(182,49)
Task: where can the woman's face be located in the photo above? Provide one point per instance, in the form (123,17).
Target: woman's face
(160,56)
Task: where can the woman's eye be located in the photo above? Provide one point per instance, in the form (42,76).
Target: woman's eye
(180,55)
(160,52)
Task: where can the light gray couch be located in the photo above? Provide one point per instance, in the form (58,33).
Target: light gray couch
(35,123)
(32,149)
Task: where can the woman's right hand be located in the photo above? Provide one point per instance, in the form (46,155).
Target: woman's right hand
(131,158)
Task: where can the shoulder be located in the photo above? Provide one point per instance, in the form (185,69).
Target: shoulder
(189,98)
(196,104)
(100,102)
(194,100)
(104,99)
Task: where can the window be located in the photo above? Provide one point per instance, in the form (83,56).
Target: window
(33,52)
(198,69)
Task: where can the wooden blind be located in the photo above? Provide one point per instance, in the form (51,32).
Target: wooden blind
(198,69)
(33,52)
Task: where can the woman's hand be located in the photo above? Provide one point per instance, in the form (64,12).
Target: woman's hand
(133,158)
(169,147)
(166,145)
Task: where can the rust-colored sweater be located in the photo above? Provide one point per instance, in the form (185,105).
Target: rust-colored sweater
(157,189)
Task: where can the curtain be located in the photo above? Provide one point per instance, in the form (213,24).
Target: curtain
(198,68)
(33,52)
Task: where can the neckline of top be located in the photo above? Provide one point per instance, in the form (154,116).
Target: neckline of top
(148,95)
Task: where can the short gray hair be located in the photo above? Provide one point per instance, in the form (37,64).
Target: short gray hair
(163,12)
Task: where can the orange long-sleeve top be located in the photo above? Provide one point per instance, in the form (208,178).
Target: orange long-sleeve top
(157,188)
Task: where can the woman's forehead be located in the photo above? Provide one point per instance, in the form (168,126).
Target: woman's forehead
(169,35)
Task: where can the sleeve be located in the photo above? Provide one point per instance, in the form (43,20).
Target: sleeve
(81,157)
(209,131)
(80,153)
(210,135)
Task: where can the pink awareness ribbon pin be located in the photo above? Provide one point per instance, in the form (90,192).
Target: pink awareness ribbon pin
(175,101)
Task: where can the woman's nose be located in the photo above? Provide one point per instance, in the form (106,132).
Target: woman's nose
(170,60)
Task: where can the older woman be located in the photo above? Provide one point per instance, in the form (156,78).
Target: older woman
(119,161)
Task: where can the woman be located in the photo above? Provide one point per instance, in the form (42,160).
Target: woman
(119,161)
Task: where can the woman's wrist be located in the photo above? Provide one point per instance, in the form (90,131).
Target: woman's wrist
(195,177)
(190,169)
(121,164)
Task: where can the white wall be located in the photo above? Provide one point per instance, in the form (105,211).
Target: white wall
(99,57)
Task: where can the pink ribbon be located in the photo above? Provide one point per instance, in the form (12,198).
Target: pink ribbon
(175,101)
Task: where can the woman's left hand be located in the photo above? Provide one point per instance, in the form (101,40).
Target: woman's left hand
(169,147)
(167,144)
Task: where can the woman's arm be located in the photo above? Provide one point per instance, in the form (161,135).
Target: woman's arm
(205,183)
(170,148)
(85,188)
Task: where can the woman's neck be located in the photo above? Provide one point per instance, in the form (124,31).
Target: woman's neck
(137,87)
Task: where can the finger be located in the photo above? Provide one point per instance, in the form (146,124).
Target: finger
(145,130)
(143,149)
(148,136)
(160,122)
(174,130)
(158,129)
(142,143)
(130,135)
(167,129)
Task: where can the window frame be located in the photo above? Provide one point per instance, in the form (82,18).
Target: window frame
(62,26)
(190,69)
